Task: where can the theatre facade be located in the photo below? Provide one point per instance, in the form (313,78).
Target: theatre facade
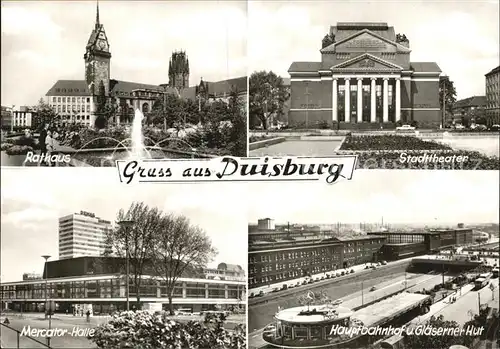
(365,79)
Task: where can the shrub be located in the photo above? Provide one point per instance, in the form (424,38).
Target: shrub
(26,141)
(144,330)
(6,146)
(323,124)
(19,150)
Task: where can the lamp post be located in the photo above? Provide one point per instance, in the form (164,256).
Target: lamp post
(49,311)
(126,225)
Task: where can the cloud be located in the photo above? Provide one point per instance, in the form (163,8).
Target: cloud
(17,20)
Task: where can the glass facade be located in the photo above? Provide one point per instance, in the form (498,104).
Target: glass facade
(115,288)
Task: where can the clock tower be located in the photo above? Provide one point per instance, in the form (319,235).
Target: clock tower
(97,59)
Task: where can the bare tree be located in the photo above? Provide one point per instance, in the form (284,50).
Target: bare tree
(137,240)
(178,247)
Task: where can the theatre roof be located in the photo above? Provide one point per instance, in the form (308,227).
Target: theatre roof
(305,67)
(425,67)
(344,30)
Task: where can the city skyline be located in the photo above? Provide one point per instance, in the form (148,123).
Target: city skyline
(43,42)
(464,42)
(403,196)
(31,208)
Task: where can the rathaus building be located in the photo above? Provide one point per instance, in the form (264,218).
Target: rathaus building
(365,80)
(75,101)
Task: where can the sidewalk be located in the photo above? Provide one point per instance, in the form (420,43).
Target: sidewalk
(360,267)
(439,306)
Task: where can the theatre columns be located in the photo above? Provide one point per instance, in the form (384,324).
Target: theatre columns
(347,107)
(360,100)
(398,99)
(373,105)
(386,100)
(334,100)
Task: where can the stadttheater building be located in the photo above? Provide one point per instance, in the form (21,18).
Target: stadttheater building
(365,79)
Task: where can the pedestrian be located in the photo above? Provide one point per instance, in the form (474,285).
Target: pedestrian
(88,315)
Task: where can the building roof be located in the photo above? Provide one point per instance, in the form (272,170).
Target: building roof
(230,267)
(344,30)
(225,87)
(425,67)
(474,101)
(125,88)
(495,70)
(69,88)
(305,67)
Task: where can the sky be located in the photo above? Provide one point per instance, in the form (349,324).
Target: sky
(34,199)
(399,196)
(462,37)
(44,41)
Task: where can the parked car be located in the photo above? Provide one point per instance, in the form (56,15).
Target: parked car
(352,271)
(478,127)
(284,286)
(373,289)
(495,128)
(405,128)
(459,127)
(384,263)
(275,289)
(251,295)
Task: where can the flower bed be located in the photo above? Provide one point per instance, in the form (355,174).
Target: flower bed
(145,330)
(379,159)
(389,142)
(258,138)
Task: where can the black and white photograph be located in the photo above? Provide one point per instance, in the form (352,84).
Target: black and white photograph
(110,266)
(354,264)
(86,83)
(386,80)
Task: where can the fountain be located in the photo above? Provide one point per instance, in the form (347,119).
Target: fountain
(138,148)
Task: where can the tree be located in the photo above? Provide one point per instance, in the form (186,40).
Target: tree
(267,97)
(447,89)
(177,247)
(434,342)
(100,120)
(328,39)
(137,240)
(238,133)
(44,114)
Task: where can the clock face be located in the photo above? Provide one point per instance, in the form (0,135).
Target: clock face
(101,44)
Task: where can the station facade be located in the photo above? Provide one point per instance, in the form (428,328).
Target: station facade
(284,256)
(365,80)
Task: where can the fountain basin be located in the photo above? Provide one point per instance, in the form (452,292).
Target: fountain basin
(107,157)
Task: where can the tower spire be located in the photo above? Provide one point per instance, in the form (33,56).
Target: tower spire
(97,24)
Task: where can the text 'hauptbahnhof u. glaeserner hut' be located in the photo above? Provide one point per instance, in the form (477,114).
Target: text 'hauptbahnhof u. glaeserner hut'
(365,80)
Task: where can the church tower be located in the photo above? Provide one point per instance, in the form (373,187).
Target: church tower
(178,70)
(97,58)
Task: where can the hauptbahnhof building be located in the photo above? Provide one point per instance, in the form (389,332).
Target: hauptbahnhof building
(276,256)
(365,79)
